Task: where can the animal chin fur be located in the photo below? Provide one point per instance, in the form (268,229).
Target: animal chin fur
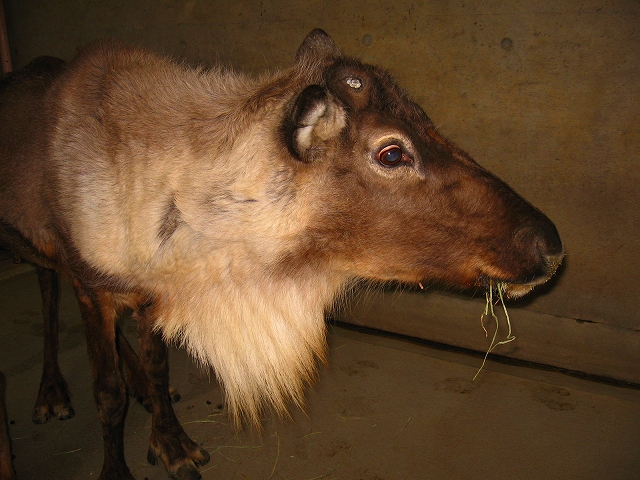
(263,336)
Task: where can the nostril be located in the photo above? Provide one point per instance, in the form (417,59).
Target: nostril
(549,243)
(541,248)
(541,242)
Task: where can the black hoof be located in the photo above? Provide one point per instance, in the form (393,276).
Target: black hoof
(41,415)
(66,414)
(185,472)
(205,458)
(174,394)
(39,418)
(152,458)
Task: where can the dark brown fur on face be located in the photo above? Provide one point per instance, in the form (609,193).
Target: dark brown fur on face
(229,212)
(435,215)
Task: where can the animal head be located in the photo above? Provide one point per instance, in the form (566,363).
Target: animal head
(394,199)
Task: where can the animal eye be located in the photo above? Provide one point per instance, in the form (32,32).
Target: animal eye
(391,156)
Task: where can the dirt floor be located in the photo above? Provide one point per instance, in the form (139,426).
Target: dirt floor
(383,409)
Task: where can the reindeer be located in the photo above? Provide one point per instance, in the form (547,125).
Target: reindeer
(229,212)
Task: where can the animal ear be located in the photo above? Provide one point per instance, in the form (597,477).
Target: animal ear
(315,118)
(317,48)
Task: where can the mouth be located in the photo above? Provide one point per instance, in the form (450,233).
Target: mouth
(516,288)
(510,289)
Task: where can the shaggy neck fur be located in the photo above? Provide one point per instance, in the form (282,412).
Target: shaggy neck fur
(262,336)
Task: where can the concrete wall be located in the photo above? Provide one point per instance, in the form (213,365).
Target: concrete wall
(544,94)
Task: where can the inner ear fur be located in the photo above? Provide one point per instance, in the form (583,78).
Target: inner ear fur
(316,117)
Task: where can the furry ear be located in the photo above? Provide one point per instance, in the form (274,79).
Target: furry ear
(317,48)
(315,118)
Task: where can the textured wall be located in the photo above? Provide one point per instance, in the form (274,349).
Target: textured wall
(545,94)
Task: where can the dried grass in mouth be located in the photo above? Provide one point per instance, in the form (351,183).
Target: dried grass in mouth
(489,312)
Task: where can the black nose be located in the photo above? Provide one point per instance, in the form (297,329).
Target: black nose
(548,241)
(540,242)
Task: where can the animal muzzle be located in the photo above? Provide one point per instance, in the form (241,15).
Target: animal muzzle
(541,252)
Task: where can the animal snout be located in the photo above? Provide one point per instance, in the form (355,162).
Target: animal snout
(540,242)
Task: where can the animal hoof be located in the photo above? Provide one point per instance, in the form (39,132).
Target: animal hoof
(174,394)
(66,413)
(152,458)
(53,400)
(40,415)
(205,457)
(185,472)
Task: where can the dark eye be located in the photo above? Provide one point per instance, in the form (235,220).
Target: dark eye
(391,156)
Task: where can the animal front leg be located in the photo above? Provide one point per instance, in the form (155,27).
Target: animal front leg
(137,380)
(53,396)
(168,441)
(98,312)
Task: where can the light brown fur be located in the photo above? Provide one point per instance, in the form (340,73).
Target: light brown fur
(218,263)
(232,211)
